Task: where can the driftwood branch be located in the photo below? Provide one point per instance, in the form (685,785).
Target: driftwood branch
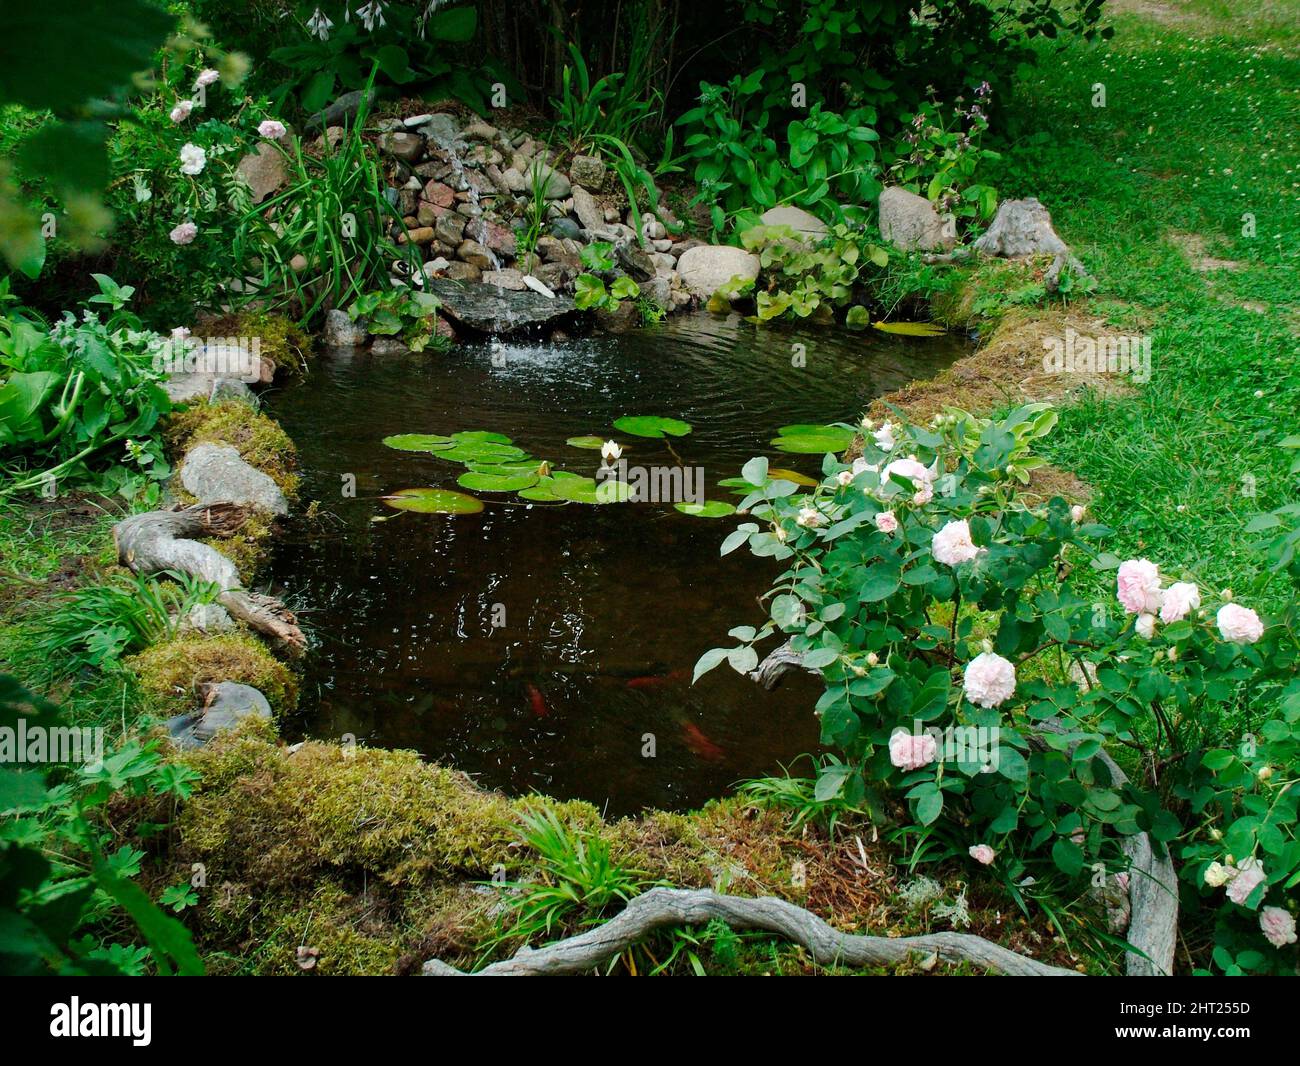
(1153,881)
(663,908)
(157,541)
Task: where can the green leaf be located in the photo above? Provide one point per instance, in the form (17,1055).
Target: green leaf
(57,54)
(418,442)
(433,501)
(480,482)
(455,24)
(880,581)
(591,443)
(707,509)
(706,662)
(652,426)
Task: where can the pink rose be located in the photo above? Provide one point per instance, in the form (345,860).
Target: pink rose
(910,752)
(1145,626)
(1239,624)
(1179,600)
(989,680)
(1249,874)
(1139,586)
(271,129)
(206,77)
(952,544)
(1278,926)
(1077,512)
(982,854)
(182,110)
(184,233)
(886,522)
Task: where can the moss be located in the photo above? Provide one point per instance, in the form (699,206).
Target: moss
(172,670)
(259,440)
(283,341)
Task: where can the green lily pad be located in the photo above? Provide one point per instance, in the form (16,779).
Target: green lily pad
(419,442)
(481,436)
(526,465)
(496,482)
(707,509)
(482,452)
(652,426)
(805,439)
(433,501)
(593,443)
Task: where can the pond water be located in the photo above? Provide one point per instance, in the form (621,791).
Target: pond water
(536,647)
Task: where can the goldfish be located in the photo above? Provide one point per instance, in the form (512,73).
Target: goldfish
(536,703)
(700,744)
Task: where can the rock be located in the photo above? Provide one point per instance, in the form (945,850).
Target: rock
(620,319)
(910,222)
(475,254)
(659,291)
(450,229)
(182,388)
(225,705)
(497,179)
(208,618)
(264,170)
(505,279)
(803,223)
(435,266)
(487,309)
(330,138)
(443,130)
(405,146)
(480,131)
(585,207)
(556,275)
(388,346)
(458,271)
(634,260)
(550,248)
(416,120)
(682,247)
(427,214)
(341,110)
(341,332)
(501,240)
(438,193)
(706,267)
(419,235)
(588,171)
(555,186)
(215,473)
(515,181)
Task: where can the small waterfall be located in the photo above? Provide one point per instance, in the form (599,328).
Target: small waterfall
(477,225)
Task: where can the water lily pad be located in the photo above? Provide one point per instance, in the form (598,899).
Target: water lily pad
(805,439)
(652,426)
(707,509)
(419,442)
(481,435)
(482,452)
(496,482)
(433,501)
(593,443)
(526,465)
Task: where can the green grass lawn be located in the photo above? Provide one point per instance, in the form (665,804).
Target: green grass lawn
(1198,130)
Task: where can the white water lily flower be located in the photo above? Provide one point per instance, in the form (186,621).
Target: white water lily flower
(610,450)
(193,159)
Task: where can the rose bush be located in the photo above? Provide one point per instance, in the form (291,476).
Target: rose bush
(966,617)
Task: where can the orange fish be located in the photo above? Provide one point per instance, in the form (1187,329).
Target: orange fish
(700,744)
(536,703)
(653,681)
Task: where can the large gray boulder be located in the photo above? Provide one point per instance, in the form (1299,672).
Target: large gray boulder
(588,212)
(490,309)
(705,268)
(215,473)
(555,186)
(810,227)
(225,705)
(910,222)
(344,109)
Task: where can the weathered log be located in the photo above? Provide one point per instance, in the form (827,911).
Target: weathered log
(157,541)
(1023,228)
(663,908)
(1153,881)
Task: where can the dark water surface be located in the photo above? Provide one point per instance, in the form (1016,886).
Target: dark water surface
(605,609)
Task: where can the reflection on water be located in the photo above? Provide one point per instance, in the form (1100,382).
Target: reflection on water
(548,648)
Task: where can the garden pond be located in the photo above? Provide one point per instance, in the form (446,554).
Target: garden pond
(549,647)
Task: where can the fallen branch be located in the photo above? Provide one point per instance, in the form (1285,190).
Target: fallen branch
(663,908)
(157,541)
